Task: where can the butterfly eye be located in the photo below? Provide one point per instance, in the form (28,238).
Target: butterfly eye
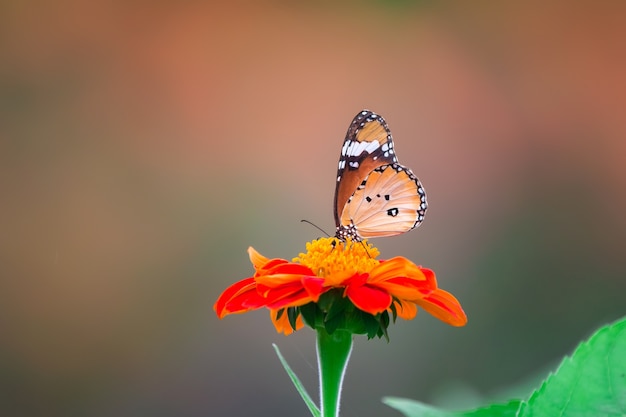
(374,196)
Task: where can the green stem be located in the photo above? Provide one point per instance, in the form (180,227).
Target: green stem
(333,352)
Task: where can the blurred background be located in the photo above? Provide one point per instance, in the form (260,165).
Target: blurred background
(145,145)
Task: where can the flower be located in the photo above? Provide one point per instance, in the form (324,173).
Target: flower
(339,285)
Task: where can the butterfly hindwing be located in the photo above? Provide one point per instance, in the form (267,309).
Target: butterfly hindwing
(375,195)
(389,201)
(368,145)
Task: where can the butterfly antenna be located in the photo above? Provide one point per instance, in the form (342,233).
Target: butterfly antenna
(366,251)
(316,226)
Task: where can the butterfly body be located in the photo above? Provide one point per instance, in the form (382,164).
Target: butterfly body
(375,196)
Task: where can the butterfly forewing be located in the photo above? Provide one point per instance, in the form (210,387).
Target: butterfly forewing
(389,201)
(368,145)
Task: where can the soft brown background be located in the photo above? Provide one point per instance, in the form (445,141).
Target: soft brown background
(145,145)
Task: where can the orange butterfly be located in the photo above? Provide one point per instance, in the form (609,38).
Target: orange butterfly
(375,195)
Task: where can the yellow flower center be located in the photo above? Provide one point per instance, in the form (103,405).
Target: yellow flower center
(329,256)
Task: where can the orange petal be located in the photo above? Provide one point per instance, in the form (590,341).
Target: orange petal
(282,324)
(291,296)
(405,309)
(338,279)
(240,297)
(407,288)
(368,298)
(279,280)
(444,306)
(393,268)
(256,258)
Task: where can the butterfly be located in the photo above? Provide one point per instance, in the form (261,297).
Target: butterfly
(375,196)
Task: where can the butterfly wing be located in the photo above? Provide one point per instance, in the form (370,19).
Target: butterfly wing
(388,202)
(368,145)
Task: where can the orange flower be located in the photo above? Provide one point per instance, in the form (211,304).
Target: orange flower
(317,285)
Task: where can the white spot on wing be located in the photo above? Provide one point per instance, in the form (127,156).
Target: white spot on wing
(356,149)
(372,146)
(349,150)
(344,148)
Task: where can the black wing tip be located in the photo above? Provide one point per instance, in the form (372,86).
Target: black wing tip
(362,118)
(367,115)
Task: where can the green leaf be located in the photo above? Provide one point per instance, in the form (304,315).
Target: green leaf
(412,408)
(337,307)
(384,323)
(296,382)
(333,323)
(292,316)
(311,314)
(372,325)
(394,311)
(327,299)
(590,383)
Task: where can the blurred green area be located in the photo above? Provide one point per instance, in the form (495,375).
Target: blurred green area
(144,147)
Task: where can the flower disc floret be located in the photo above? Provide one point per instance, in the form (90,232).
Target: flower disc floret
(330,256)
